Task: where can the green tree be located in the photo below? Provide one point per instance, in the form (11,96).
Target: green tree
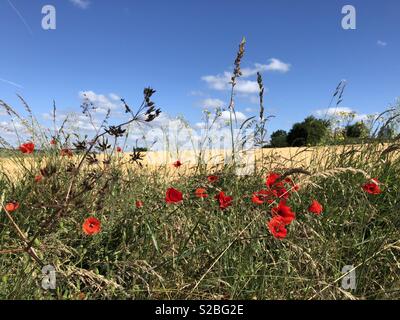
(310,132)
(386,133)
(357,130)
(279,139)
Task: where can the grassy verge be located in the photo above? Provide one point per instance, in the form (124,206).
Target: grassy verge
(193,249)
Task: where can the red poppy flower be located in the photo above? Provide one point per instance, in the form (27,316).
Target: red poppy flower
(66,153)
(289,180)
(53,142)
(372,187)
(173,196)
(224,200)
(38,178)
(27,148)
(262,196)
(212,179)
(201,193)
(282,193)
(315,208)
(12,206)
(277,227)
(256,199)
(91,226)
(271,179)
(284,211)
(292,184)
(119,149)
(177,164)
(139,204)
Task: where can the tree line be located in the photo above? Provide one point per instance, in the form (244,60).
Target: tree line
(313,131)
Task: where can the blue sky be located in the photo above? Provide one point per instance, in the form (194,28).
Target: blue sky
(182,49)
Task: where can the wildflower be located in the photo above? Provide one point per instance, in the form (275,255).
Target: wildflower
(315,207)
(262,196)
(201,193)
(294,186)
(282,193)
(372,187)
(177,164)
(115,131)
(12,206)
(212,179)
(139,204)
(80,145)
(136,157)
(91,226)
(27,148)
(119,149)
(284,211)
(53,142)
(277,227)
(271,179)
(38,178)
(66,152)
(224,200)
(256,199)
(173,196)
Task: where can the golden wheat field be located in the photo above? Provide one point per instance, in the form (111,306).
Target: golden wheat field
(310,158)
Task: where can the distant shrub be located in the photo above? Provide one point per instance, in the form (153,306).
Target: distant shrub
(310,132)
(357,130)
(386,133)
(279,139)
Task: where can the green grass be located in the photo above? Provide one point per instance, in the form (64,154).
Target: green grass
(194,250)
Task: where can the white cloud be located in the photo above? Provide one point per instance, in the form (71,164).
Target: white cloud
(114,96)
(222,81)
(200,125)
(273,65)
(332,112)
(381,43)
(76,121)
(218,82)
(247,86)
(212,103)
(239,116)
(83,4)
(277,65)
(101,102)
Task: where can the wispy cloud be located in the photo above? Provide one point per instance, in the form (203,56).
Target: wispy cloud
(221,81)
(195,93)
(102,102)
(212,103)
(240,116)
(20,16)
(83,4)
(381,43)
(273,65)
(334,112)
(11,83)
